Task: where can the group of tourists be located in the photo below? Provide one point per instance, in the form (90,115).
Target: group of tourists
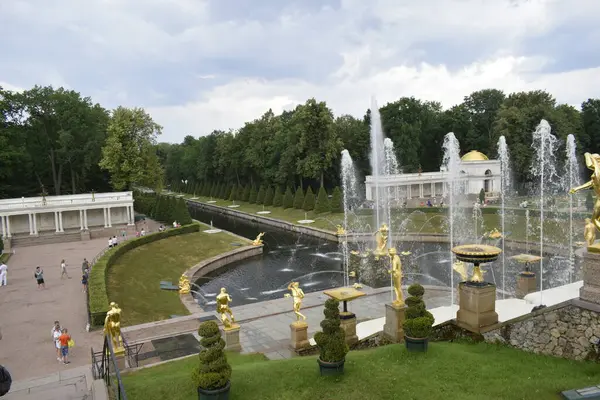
(38,274)
(62,342)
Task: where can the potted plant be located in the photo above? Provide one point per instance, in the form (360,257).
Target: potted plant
(418,321)
(331,341)
(213,374)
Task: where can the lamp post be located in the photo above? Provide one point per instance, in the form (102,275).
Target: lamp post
(185,184)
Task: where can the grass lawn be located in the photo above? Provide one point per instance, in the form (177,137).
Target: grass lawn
(448,371)
(134,280)
(554,231)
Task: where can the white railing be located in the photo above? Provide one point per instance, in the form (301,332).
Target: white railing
(56,201)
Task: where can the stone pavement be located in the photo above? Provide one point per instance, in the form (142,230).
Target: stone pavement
(74,384)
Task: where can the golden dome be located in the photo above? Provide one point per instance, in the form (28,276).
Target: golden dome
(474,155)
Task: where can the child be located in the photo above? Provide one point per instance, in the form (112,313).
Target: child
(84,280)
(64,345)
(39,277)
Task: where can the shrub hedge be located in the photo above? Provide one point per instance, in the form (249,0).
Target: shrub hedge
(98,296)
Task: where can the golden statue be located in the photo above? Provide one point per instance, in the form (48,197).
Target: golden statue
(258,241)
(381,236)
(112,327)
(396,272)
(589,233)
(223,300)
(592,161)
(298,295)
(460,267)
(357,286)
(340,230)
(184,285)
(495,234)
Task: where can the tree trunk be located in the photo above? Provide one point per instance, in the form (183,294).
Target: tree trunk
(301,185)
(321,178)
(55,174)
(73,186)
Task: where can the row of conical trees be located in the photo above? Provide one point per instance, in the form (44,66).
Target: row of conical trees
(270,196)
(162,208)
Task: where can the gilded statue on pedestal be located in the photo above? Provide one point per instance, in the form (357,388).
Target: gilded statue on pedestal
(258,241)
(589,233)
(396,272)
(112,327)
(298,295)
(592,161)
(223,300)
(184,285)
(461,269)
(340,230)
(381,237)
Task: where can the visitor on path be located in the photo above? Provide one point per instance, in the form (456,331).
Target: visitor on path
(63,270)
(84,280)
(3,269)
(5,381)
(115,241)
(85,265)
(110,243)
(39,277)
(143,232)
(56,332)
(64,340)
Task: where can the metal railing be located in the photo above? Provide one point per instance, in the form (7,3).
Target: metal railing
(104,366)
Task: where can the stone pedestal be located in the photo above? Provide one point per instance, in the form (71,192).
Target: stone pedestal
(477,307)
(394,318)
(526,283)
(591,278)
(7,242)
(85,235)
(232,338)
(299,335)
(348,324)
(120,358)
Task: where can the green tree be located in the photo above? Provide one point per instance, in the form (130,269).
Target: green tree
(181,213)
(482,196)
(331,341)
(309,200)
(590,117)
(483,107)
(246,194)
(322,205)
(233,193)
(252,199)
(269,194)
(337,204)
(288,198)
(260,197)
(129,154)
(299,198)
(277,197)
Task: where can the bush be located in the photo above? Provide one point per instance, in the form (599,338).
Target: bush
(277,198)
(322,204)
(418,321)
(482,196)
(309,200)
(226,191)
(246,194)
(337,201)
(233,193)
(214,371)
(182,214)
(253,194)
(332,340)
(299,199)
(98,297)
(260,197)
(288,198)
(268,197)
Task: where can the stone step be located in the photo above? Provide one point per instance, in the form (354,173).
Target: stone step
(25,241)
(71,389)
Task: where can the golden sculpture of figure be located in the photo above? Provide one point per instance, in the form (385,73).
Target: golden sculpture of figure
(396,272)
(381,236)
(589,232)
(340,230)
(223,300)
(460,267)
(495,234)
(184,285)
(112,327)
(258,241)
(592,161)
(298,295)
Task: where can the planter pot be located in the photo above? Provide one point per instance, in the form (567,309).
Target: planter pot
(416,344)
(331,368)
(215,394)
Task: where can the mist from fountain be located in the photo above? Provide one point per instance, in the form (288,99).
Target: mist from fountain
(377,163)
(571,180)
(505,188)
(349,188)
(390,168)
(543,167)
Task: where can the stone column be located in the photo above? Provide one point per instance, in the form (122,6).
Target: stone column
(34,218)
(348,324)
(30,225)
(85,221)
(421,194)
(131,215)
(232,338)
(299,335)
(80,220)
(8,234)
(60,221)
(394,319)
(526,283)
(108,217)
(56,221)
(477,306)
(590,291)
(2,221)
(105,223)
(432,189)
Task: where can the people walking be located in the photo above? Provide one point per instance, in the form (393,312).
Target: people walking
(3,272)
(39,277)
(85,265)
(84,280)
(56,332)
(64,340)
(63,270)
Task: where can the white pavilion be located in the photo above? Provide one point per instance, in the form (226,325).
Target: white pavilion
(74,217)
(477,171)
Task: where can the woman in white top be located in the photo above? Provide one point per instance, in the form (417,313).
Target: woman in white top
(63,270)
(56,332)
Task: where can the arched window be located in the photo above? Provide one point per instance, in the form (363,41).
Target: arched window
(487,183)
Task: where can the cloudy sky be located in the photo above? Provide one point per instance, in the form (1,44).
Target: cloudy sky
(200,65)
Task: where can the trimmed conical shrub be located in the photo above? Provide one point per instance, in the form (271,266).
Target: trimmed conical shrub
(269,194)
(214,371)
(260,197)
(277,198)
(246,194)
(214,190)
(253,194)
(332,340)
(309,200)
(337,202)
(299,199)
(233,193)
(418,321)
(322,204)
(288,198)
(181,213)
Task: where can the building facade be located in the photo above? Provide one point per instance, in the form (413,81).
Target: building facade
(477,172)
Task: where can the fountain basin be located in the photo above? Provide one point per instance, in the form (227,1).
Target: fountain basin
(306,221)
(263,212)
(476,254)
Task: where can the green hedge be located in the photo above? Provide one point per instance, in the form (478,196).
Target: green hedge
(98,295)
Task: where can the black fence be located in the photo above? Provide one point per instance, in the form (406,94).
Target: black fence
(104,366)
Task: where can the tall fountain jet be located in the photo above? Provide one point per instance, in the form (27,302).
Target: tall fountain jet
(349,188)
(571,180)
(451,165)
(543,168)
(505,188)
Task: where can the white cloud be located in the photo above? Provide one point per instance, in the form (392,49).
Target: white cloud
(197,71)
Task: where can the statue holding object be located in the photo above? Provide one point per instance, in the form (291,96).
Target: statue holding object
(592,161)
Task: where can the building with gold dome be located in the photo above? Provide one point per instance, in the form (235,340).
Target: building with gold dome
(477,172)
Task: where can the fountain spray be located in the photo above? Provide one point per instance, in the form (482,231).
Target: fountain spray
(377,167)
(571,181)
(504,189)
(349,188)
